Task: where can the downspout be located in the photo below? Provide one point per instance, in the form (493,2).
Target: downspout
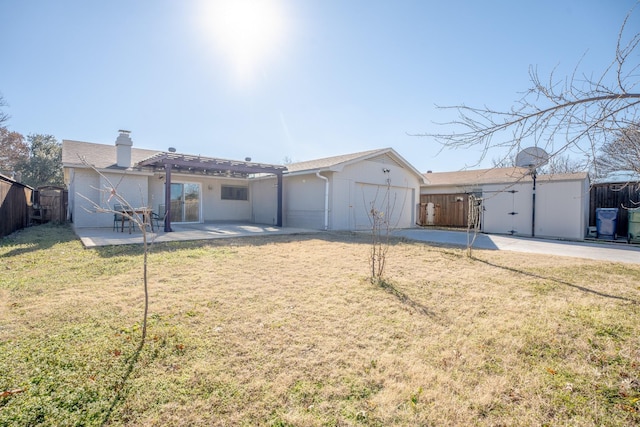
(326,200)
(279,212)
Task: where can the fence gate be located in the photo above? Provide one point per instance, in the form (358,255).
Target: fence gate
(450,210)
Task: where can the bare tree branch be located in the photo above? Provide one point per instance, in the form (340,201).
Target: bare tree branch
(3,116)
(621,154)
(579,112)
(107,194)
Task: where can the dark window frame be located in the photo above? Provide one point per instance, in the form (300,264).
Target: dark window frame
(234,192)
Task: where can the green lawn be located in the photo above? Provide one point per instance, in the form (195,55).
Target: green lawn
(288,331)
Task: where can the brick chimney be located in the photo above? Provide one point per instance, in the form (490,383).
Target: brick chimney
(123,149)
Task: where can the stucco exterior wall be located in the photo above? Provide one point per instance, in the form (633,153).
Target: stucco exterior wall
(133,188)
(264,201)
(561,208)
(86,183)
(216,209)
(304,201)
(156,194)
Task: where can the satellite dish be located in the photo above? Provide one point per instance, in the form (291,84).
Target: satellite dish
(532,158)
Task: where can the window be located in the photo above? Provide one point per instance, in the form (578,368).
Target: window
(235,193)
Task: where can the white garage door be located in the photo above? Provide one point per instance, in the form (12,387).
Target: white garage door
(395,202)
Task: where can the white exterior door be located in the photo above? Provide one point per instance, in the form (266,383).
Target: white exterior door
(507,209)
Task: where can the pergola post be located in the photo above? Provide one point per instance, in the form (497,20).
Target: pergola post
(167,198)
(279,213)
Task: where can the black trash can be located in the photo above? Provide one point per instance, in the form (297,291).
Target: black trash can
(606,223)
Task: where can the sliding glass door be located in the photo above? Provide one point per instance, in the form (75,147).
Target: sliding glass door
(185,202)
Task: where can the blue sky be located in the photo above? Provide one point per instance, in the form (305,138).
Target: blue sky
(306,78)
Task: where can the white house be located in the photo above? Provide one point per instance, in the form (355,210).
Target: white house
(335,193)
(561,200)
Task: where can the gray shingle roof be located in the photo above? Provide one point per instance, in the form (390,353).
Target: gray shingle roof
(101,156)
(329,162)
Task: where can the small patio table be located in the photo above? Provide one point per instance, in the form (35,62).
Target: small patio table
(144,212)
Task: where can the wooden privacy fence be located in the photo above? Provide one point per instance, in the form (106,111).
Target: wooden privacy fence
(22,206)
(615,195)
(15,205)
(450,210)
(52,203)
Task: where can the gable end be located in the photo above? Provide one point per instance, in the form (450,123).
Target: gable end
(386,159)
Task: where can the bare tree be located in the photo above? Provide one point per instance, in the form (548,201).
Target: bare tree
(110,194)
(579,112)
(564,164)
(380,216)
(474,215)
(560,163)
(504,162)
(381,213)
(3,116)
(621,154)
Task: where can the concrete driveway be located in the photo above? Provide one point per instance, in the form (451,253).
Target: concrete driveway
(604,251)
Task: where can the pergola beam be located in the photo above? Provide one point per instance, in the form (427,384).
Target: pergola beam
(181,162)
(210,164)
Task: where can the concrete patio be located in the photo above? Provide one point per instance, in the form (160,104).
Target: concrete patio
(94,237)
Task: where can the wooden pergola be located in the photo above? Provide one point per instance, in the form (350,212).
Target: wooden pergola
(210,166)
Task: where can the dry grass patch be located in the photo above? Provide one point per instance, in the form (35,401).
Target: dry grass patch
(288,331)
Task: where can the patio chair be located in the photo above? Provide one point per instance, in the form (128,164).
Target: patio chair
(119,219)
(158,219)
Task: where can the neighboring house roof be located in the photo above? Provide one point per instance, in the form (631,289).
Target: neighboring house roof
(619,177)
(101,156)
(337,163)
(493,176)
